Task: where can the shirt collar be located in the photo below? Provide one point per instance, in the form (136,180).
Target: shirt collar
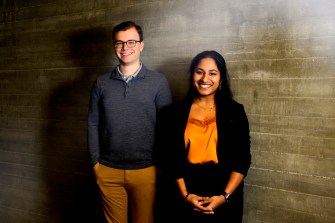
(128,78)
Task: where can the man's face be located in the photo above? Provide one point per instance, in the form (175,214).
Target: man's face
(126,54)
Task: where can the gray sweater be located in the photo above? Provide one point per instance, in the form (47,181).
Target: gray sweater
(122,118)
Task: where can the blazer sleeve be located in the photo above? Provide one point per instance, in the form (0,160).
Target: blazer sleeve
(170,128)
(239,146)
(245,163)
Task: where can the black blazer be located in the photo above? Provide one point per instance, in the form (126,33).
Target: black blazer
(233,137)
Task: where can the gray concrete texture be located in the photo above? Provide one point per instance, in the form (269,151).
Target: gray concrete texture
(280,55)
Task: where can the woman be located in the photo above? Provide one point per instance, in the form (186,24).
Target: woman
(206,144)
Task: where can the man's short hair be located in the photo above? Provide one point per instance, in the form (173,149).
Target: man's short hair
(123,26)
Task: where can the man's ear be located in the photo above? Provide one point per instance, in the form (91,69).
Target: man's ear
(142,46)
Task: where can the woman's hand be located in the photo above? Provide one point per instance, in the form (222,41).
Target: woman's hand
(208,205)
(198,203)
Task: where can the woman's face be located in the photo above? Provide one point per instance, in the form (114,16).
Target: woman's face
(206,77)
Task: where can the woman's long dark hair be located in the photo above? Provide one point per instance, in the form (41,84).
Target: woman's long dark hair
(224,93)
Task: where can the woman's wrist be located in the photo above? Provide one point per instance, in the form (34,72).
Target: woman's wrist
(186,196)
(226,196)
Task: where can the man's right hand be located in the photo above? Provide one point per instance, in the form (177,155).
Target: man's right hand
(95,167)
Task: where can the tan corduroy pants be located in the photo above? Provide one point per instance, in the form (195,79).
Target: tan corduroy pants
(118,186)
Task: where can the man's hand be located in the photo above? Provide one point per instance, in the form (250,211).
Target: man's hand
(95,167)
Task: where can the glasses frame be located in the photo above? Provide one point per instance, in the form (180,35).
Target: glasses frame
(120,44)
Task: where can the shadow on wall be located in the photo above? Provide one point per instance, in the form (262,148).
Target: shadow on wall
(176,72)
(72,192)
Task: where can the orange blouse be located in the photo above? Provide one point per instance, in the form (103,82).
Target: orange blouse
(201,141)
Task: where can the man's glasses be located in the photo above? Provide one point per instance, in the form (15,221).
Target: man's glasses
(129,43)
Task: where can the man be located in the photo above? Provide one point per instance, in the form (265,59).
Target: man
(121,129)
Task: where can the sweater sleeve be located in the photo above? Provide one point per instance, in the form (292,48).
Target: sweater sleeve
(164,95)
(93,124)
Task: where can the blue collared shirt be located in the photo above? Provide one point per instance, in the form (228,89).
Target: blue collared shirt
(128,78)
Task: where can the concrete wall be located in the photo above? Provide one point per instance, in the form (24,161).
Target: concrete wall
(280,55)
